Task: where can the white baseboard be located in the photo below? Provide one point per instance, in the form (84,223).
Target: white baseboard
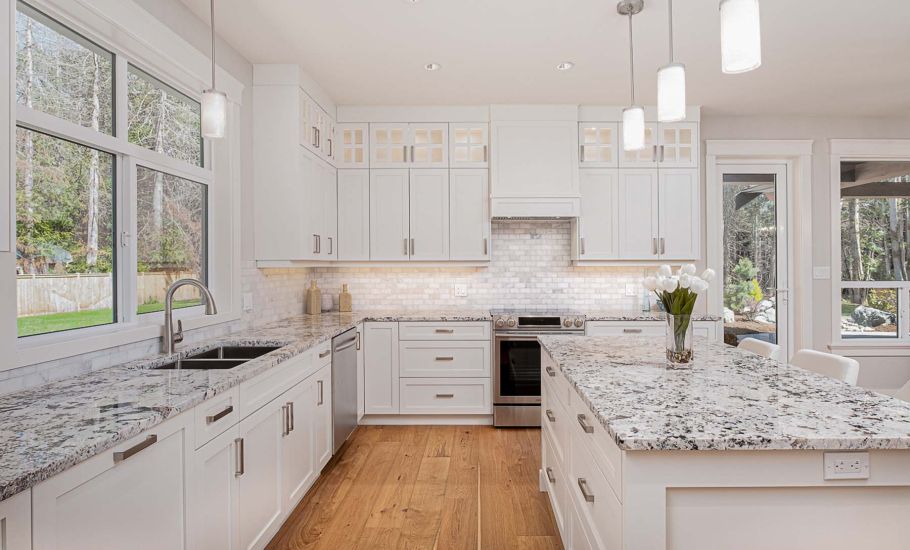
(427,419)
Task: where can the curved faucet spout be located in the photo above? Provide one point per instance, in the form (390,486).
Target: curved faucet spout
(171,337)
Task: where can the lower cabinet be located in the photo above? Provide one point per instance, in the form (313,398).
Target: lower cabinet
(320,414)
(131,496)
(16,522)
(703,329)
(259,475)
(212,516)
(298,461)
(380,368)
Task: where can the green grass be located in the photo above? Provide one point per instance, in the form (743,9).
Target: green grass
(56,322)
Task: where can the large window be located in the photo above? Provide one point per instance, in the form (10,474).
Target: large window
(102,227)
(875,245)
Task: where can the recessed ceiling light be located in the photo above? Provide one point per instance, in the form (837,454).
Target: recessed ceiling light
(410,1)
(432,66)
(565,66)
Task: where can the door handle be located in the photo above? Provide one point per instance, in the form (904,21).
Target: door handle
(583,422)
(654,245)
(550,475)
(485,247)
(581,153)
(285,421)
(218,416)
(663,247)
(290,406)
(404,149)
(331,147)
(315,243)
(319,383)
(315,136)
(585,491)
(550,371)
(412,246)
(238,457)
(331,246)
(550,416)
(412,153)
(582,243)
(120,456)
(485,155)
(405,246)
(654,153)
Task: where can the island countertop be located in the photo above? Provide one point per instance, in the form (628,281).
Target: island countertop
(727,399)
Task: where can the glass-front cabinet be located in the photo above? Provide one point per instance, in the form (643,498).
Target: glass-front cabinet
(598,144)
(670,145)
(352,146)
(469,144)
(403,145)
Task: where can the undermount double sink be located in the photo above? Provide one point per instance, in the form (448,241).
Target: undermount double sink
(220,358)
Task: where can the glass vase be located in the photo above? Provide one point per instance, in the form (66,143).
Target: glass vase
(679,339)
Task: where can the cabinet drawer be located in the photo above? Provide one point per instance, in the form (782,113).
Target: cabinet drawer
(444,359)
(557,383)
(586,431)
(627,328)
(555,479)
(211,418)
(557,422)
(458,330)
(267,386)
(598,508)
(322,354)
(445,395)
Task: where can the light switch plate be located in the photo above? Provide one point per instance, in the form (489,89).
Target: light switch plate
(847,465)
(631,289)
(248,301)
(461,290)
(821,272)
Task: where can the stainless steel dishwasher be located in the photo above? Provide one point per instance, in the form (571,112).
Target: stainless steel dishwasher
(344,386)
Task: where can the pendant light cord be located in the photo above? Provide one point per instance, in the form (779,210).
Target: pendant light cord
(212,19)
(670,11)
(631,61)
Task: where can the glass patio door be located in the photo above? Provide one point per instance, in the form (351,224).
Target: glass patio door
(755,271)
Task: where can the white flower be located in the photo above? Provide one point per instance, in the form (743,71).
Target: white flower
(670,284)
(708,275)
(650,283)
(685,280)
(664,271)
(699,286)
(688,269)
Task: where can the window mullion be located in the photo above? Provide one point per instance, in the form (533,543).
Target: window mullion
(121,101)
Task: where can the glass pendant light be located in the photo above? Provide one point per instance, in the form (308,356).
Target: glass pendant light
(633,116)
(740,36)
(671,85)
(214,103)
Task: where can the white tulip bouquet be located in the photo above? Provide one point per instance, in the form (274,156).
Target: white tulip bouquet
(678,294)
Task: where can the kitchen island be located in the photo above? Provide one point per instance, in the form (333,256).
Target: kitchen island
(733,451)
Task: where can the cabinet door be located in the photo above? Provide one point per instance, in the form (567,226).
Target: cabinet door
(311,212)
(429,215)
(131,500)
(297,446)
(329,186)
(380,368)
(429,146)
(679,214)
(469,144)
(598,144)
(212,513)
(389,145)
(353,146)
(643,158)
(329,145)
(389,215)
(309,124)
(534,159)
(353,215)
(320,414)
(469,215)
(638,218)
(16,522)
(259,481)
(598,231)
(679,145)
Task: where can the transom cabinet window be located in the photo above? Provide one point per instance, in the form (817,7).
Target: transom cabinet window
(102,227)
(875,249)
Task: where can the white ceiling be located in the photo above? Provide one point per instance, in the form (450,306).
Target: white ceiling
(820,57)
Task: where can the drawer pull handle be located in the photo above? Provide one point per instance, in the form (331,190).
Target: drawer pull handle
(120,456)
(550,475)
(238,456)
(325,354)
(583,422)
(320,401)
(550,371)
(585,491)
(445,330)
(285,421)
(631,330)
(212,418)
(445,358)
(445,395)
(550,416)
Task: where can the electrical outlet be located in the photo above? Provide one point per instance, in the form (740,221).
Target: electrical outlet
(847,465)
(248,301)
(461,290)
(631,290)
(821,272)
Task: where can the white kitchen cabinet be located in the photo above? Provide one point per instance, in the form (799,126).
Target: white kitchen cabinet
(259,475)
(131,496)
(403,145)
(318,207)
(679,210)
(212,514)
(316,128)
(353,215)
(469,144)
(352,142)
(298,465)
(389,214)
(360,372)
(320,416)
(328,232)
(638,214)
(598,144)
(16,522)
(445,396)
(642,158)
(429,215)
(598,227)
(678,145)
(380,366)
(389,145)
(429,145)
(469,214)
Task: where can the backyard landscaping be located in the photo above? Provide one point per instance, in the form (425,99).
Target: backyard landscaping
(54,322)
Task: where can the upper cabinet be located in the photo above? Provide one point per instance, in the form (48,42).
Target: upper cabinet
(403,145)
(469,144)
(352,143)
(317,128)
(669,145)
(598,144)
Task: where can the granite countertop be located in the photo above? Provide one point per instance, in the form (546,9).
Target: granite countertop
(635,315)
(48,429)
(728,399)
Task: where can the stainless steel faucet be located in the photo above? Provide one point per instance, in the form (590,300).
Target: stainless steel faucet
(170,337)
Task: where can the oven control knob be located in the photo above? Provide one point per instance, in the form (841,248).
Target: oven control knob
(512,321)
(578,323)
(567,323)
(500,323)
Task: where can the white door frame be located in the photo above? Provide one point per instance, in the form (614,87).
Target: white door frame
(796,155)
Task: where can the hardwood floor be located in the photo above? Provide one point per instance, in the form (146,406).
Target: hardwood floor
(433,487)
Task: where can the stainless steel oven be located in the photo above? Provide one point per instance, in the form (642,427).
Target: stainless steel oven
(516,362)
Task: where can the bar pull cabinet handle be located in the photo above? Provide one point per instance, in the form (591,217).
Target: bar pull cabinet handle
(550,371)
(550,475)
(445,330)
(320,401)
(585,491)
(290,407)
(582,243)
(550,416)
(631,330)
(485,153)
(661,153)
(445,395)
(405,246)
(581,153)
(212,418)
(325,354)
(654,246)
(315,136)
(357,345)
(412,246)
(240,469)
(663,245)
(412,153)
(445,358)
(654,153)
(120,456)
(331,246)
(583,422)
(486,247)
(331,147)
(404,149)
(315,244)
(285,421)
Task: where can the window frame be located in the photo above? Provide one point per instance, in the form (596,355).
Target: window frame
(859,150)
(156,50)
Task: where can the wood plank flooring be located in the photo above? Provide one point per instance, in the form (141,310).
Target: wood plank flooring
(427,487)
